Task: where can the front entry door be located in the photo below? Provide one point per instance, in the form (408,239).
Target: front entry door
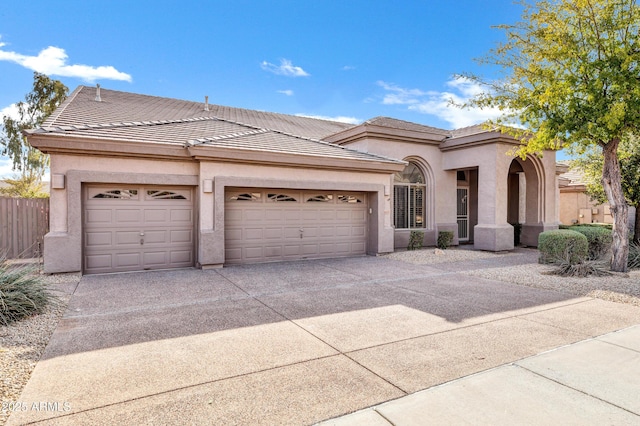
(463,213)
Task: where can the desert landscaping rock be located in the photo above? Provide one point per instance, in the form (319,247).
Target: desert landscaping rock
(22,343)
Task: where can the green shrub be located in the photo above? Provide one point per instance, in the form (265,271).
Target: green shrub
(562,245)
(599,239)
(445,238)
(634,256)
(22,292)
(415,240)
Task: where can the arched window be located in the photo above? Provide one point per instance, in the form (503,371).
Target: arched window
(409,192)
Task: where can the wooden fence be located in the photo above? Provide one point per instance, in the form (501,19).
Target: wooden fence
(23,223)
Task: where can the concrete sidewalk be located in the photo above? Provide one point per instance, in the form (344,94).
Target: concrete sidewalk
(301,342)
(593,382)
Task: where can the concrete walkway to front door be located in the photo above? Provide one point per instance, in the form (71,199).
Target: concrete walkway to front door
(289,343)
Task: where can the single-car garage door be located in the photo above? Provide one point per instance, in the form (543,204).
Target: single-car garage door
(277,224)
(132,228)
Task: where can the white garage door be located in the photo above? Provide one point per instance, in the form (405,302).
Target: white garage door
(132,228)
(276,224)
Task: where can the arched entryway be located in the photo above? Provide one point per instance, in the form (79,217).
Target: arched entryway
(525,200)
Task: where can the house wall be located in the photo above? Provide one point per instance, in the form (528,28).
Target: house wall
(441,185)
(223,175)
(63,244)
(493,161)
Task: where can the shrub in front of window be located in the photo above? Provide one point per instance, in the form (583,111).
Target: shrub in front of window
(599,239)
(415,240)
(562,245)
(445,238)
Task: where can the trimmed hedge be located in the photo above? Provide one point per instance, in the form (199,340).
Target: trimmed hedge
(562,245)
(598,237)
(415,240)
(445,238)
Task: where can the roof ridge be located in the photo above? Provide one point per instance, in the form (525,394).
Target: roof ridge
(125,124)
(197,141)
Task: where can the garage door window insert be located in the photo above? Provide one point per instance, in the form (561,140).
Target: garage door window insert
(409,198)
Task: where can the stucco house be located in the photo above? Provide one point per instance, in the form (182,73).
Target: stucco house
(576,207)
(141,182)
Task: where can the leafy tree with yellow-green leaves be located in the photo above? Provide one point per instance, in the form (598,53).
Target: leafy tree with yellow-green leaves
(571,79)
(31,164)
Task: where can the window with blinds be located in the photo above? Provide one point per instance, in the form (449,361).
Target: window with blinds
(409,198)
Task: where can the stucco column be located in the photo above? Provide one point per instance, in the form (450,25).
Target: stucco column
(492,232)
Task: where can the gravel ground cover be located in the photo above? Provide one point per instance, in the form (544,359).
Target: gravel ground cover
(22,343)
(621,288)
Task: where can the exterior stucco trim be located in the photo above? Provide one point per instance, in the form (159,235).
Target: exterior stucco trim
(63,250)
(212,241)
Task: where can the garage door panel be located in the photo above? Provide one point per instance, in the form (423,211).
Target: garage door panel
(127,237)
(233,254)
(155,237)
(253,234)
(291,215)
(155,215)
(98,261)
(274,232)
(253,252)
(181,236)
(291,250)
(272,215)
(128,216)
(291,233)
(179,257)
(98,216)
(158,258)
(181,215)
(273,252)
(98,238)
(115,218)
(125,260)
(253,215)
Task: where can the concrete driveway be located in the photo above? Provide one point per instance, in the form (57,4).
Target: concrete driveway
(289,343)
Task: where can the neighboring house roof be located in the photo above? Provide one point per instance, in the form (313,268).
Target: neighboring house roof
(572,178)
(128,117)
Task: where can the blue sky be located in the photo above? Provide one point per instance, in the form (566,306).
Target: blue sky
(350,60)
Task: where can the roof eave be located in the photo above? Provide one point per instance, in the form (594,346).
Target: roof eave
(372,131)
(207,152)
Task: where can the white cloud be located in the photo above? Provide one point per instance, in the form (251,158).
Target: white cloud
(11,111)
(339,118)
(287,92)
(53,61)
(285,68)
(5,168)
(348,68)
(440,105)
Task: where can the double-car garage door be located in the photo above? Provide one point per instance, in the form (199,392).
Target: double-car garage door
(263,225)
(136,227)
(132,228)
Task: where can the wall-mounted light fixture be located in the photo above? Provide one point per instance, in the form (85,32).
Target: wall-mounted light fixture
(57,181)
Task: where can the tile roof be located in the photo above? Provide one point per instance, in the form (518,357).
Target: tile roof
(394,123)
(573,175)
(132,117)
